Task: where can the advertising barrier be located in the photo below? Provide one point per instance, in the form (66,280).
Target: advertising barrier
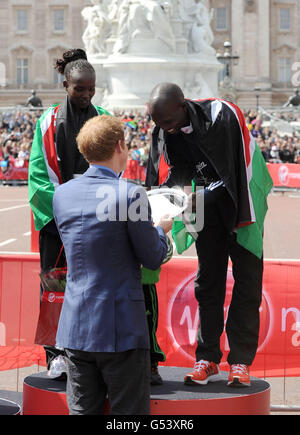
(14,169)
(285,175)
(279,342)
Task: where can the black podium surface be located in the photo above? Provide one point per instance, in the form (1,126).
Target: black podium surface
(173,393)
(7,407)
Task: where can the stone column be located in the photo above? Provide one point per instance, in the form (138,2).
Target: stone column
(263,48)
(237,40)
(251,39)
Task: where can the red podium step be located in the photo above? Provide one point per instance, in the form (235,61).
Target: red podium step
(7,407)
(43,396)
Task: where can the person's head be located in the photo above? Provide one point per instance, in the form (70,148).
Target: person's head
(80,77)
(168,107)
(101,141)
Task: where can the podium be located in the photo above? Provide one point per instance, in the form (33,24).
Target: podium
(7,407)
(44,396)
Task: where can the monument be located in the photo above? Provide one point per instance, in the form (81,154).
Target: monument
(135,44)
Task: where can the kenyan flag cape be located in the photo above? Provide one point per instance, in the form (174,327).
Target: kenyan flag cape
(44,175)
(255,178)
(259,185)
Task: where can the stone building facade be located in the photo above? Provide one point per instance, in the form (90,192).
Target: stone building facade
(265,35)
(33,33)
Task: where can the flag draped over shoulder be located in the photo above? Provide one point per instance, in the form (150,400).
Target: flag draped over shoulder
(259,182)
(251,236)
(253,183)
(44,174)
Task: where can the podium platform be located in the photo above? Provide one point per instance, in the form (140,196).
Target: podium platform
(7,407)
(43,396)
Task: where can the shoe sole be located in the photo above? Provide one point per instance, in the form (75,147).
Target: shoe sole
(236,383)
(156,382)
(190,381)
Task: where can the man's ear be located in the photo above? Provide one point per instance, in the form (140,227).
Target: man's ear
(65,84)
(120,146)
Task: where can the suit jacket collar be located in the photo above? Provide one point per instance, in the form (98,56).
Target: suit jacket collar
(96,171)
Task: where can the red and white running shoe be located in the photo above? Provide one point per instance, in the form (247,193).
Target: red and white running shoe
(204,372)
(239,376)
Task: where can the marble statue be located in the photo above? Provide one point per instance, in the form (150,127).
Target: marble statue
(98,27)
(142,19)
(134,44)
(197,19)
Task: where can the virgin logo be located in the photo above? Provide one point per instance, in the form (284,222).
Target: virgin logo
(283,174)
(184,317)
(51,297)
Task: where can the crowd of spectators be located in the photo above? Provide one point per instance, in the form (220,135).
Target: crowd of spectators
(138,128)
(276,147)
(17,131)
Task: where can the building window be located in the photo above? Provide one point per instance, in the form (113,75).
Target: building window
(221,18)
(285,19)
(285,70)
(22,20)
(22,71)
(58,20)
(57,77)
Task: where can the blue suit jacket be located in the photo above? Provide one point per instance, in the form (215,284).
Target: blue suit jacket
(104,309)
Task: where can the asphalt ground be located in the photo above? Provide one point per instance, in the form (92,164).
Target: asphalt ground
(281,241)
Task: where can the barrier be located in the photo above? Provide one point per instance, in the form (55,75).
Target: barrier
(14,170)
(285,175)
(134,171)
(19,310)
(17,170)
(279,342)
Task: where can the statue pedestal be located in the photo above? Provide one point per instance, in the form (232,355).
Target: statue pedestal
(128,79)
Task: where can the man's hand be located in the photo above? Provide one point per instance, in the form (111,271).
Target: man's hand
(166,222)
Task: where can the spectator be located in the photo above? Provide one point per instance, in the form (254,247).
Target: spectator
(274,155)
(17,128)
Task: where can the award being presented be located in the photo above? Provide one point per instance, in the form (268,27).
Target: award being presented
(167,202)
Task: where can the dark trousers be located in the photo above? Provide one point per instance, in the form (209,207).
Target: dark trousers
(122,376)
(151,304)
(214,246)
(50,245)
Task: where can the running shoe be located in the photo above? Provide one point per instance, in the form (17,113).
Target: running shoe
(204,372)
(239,376)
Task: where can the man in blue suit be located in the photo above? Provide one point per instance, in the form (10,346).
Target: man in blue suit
(106,228)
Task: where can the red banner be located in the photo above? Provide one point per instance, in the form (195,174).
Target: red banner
(17,169)
(279,343)
(19,311)
(285,175)
(14,169)
(134,171)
